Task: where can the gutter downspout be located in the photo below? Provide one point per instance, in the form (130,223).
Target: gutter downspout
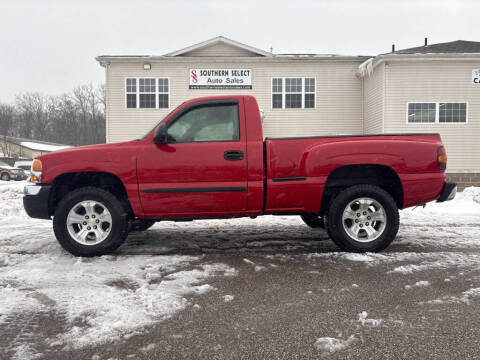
(384,97)
(107,107)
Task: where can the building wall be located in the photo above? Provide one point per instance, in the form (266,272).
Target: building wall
(338,95)
(19,151)
(373,96)
(424,81)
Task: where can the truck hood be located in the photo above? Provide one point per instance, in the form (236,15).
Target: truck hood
(89,158)
(102,150)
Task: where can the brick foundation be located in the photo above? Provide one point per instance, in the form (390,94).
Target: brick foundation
(464,180)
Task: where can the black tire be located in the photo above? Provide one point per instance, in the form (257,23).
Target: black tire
(5,176)
(336,229)
(141,225)
(119,227)
(313,220)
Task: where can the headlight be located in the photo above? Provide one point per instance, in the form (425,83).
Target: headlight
(36,171)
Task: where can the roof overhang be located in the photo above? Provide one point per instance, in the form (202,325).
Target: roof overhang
(370,64)
(106,59)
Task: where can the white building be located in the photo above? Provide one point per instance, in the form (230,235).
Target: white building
(434,88)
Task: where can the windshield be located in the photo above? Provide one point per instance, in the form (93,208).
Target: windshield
(169,112)
(3,164)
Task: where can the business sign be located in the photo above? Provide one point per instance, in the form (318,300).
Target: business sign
(476,76)
(220,79)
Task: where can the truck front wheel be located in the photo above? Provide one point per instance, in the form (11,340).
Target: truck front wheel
(90,222)
(363,218)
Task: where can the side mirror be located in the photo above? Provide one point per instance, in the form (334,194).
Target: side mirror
(160,135)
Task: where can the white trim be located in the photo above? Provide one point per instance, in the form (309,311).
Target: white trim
(137,92)
(437,112)
(216,40)
(377,60)
(284,92)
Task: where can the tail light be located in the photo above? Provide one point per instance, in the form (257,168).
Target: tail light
(441,158)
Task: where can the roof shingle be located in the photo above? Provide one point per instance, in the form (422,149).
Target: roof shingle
(458,46)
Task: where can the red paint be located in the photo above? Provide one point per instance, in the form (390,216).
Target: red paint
(142,165)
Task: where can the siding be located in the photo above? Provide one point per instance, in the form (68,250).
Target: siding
(220,50)
(373,91)
(338,95)
(437,80)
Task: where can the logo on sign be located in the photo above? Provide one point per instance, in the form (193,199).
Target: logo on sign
(193,76)
(476,76)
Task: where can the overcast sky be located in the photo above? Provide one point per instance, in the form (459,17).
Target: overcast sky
(50,45)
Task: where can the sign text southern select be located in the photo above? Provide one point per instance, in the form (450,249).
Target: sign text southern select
(220,79)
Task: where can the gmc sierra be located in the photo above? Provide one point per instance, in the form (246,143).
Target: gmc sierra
(208,159)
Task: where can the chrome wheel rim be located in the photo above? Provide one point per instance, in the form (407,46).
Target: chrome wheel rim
(364,219)
(89,222)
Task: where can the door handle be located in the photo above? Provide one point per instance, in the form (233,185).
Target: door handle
(233,155)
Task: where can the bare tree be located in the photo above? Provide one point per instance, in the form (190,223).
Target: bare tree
(76,118)
(6,120)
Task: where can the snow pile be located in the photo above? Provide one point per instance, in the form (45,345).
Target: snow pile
(228,298)
(465,208)
(329,345)
(465,298)
(256,267)
(11,194)
(362,319)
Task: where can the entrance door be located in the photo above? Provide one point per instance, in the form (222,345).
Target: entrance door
(203,166)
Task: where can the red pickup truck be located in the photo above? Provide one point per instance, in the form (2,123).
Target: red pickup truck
(208,159)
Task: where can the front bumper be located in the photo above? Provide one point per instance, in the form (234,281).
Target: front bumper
(448,193)
(35,200)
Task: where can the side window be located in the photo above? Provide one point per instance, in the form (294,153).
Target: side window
(206,123)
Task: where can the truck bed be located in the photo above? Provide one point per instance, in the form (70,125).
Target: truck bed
(297,167)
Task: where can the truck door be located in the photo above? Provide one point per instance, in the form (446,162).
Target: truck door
(203,166)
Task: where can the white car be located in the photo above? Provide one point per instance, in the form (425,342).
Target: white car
(24,165)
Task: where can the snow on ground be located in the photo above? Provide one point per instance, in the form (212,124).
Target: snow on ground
(155,274)
(364,320)
(329,345)
(101,299)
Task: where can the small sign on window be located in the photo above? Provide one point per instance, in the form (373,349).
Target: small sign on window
(476,76)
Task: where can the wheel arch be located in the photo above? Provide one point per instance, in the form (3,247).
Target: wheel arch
(71,181)
(373,174)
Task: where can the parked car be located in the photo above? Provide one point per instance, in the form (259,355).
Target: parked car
(25,165)
(8,172)
(208,159)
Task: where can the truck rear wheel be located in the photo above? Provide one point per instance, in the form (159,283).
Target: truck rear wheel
(363,218)
(313,220)
(90,222)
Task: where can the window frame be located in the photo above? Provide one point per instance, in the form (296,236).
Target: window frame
(284,92)
(437,112)
(207,103)
(131,93)
(156,93)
